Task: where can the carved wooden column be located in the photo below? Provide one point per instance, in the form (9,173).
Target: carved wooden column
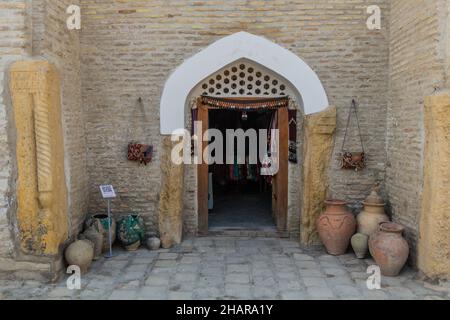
(41,188)
(318,145)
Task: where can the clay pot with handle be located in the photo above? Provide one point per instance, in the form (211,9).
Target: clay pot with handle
(101,223)
(389,249)
(336,225)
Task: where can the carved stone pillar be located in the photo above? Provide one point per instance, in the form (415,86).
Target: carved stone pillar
(317,147)
(434,241)
(41,187)
(171,198)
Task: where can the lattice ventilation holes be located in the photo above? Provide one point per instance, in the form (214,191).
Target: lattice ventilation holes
(243,79)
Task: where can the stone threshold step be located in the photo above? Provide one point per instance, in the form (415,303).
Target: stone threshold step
(263,233)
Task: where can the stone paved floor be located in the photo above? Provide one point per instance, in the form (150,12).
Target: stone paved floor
(230,268)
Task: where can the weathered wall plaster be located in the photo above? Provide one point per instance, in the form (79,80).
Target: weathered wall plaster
(41,186)
(434,239)
(171,198)
(319,138)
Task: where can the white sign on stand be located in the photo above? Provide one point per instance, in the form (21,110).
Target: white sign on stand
(108,193)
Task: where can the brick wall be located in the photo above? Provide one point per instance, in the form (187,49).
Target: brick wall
(417,69)
(61,46)
(129,49)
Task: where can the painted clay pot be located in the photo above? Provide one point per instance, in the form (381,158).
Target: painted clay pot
(373,214)
(103,227)
(131,231)
(153,243)
(336,225)
(80,253)
(360,245)
(96,237)
(389,249)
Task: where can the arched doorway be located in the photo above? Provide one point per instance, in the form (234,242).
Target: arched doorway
(185,85)
(241,45)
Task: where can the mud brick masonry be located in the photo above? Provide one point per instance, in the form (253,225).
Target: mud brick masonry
(128,49)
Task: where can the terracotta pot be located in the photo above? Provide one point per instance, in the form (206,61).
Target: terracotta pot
(103,219)
(80,253)
(360,244)
(96,237)
(336,225)
(373,214)
(389,249)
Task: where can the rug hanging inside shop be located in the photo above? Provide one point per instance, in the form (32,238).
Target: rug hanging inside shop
(293,136)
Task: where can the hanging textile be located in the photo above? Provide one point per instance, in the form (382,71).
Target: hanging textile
(249,105)
(293,136)
(194,117)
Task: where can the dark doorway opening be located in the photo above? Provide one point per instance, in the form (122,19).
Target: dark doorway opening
(241,196)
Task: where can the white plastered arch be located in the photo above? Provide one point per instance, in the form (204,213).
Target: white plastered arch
(225,51)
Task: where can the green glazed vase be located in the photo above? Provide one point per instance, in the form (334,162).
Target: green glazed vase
(131,231)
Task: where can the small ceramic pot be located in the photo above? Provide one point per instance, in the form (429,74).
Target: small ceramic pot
(80,253)
(389,249)
(336,225)
(131,231)
(360,245)
(153,243)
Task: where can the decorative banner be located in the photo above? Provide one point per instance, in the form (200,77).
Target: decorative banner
(253,104)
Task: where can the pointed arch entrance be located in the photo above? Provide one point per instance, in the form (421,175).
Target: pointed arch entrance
(241,45)
(306,89)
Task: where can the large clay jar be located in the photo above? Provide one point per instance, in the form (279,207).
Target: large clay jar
(80,253)
(373,214)
(131,231)
(336,225)
(104,226)
(389,249)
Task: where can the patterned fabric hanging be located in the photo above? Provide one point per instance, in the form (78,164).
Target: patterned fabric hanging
(194,117)
(293,136)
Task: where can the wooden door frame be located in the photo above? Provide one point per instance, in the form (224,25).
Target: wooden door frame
(281,178)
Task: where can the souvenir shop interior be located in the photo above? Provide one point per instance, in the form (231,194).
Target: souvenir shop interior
(239,196)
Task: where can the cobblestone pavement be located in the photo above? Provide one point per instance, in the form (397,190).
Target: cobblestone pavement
(230,268)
